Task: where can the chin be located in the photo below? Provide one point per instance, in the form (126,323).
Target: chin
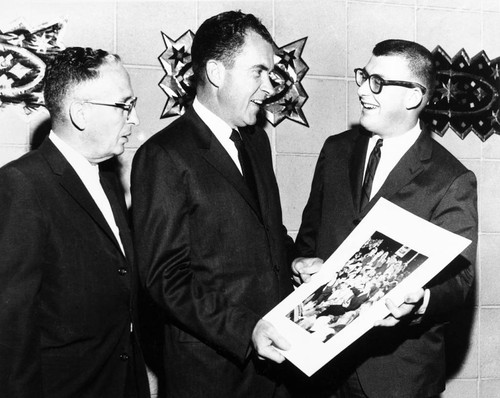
(251,118)
(119,151)
(250,121)
(367,125)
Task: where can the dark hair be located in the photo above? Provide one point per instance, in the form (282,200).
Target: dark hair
(419,59)
(221,37)
(70,67)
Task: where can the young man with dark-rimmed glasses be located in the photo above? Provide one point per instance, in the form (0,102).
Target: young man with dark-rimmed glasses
(391,155)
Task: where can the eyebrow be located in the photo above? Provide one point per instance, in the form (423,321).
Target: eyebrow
(260,66)
(376,74)
(127,98)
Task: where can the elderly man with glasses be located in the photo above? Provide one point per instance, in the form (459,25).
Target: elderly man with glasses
(68,289)
(391,155)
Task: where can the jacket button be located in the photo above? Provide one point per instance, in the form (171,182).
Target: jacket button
(124,357)
(122,271)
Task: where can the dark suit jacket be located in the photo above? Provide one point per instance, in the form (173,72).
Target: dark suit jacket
(211,256)
(67,293)
(405,361)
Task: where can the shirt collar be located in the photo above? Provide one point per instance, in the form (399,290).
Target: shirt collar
(218,126)
(82,166)
(400,140)
(397,144)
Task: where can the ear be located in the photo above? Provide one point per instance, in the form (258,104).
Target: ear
(77,115)
(215,72)
(414,98)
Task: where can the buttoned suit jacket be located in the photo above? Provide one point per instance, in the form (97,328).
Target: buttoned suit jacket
(67,293)
(407,360)
(211,256)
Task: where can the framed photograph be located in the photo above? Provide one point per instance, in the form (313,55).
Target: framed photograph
(390,253)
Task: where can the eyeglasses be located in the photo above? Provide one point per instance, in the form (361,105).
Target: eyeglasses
(126,106)
(375,82)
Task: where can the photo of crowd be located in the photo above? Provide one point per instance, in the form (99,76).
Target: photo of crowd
(374,270)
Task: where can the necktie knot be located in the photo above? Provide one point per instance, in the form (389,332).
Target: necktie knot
(378,145)
(236,138)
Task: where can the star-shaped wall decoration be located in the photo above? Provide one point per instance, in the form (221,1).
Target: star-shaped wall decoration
(177,82)
(467,95)
(178,55)
(290,96)
(286,58)
(289,70)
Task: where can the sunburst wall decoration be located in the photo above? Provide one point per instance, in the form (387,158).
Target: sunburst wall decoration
(467,95)
(24,52)
(289,70)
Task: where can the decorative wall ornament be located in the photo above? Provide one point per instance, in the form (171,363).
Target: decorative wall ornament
(24,52)
(177,82)
(467,95)
(289,70)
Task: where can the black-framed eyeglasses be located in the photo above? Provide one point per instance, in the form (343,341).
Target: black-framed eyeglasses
(126,106)
(376,82)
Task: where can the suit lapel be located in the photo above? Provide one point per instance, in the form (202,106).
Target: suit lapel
(70,182)
(119,215)
(409,166)
(356,168)
(215,154)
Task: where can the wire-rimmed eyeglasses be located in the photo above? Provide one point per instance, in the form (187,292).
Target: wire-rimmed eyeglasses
(126,106)
(376,82)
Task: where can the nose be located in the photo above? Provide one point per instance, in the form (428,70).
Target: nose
(364,88)
(133,118)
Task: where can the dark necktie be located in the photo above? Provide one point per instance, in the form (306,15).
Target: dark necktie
(246,165)
(370,174)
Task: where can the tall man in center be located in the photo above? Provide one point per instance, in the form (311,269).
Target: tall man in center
(212,248)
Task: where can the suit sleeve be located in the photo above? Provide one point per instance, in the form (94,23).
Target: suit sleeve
(305,243)
(161,219)
(456,212)
(265,148)
(21,247)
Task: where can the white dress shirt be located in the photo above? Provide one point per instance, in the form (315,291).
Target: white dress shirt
(391,151)
(219,128)
(89,174)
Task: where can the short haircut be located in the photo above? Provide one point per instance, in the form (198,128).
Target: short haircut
(69,68)
(221,37)
(419,59)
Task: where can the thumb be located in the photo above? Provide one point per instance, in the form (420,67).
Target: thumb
(278,340)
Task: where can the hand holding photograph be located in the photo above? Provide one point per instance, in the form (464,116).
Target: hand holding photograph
(390,253)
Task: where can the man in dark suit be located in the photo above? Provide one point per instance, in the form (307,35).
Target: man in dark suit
(417,174)
(67,281)
(207,221)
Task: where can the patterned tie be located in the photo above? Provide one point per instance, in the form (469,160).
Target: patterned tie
(246,165)
(370,173)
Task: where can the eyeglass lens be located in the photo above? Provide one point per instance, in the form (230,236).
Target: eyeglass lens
(130,106)
(374,81)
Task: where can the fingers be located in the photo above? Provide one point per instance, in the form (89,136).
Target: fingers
(266,339)
(386,322)
(412,303)
(415,297)
(270,353)
(396,313)
(303,268)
